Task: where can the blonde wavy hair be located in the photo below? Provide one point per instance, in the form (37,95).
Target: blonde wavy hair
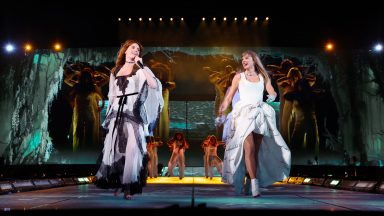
(258,65)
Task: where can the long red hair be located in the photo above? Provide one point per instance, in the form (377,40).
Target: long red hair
(120,60)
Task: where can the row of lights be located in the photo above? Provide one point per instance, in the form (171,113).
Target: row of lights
(19,185)
(329,47)
(58,47)
(339,183)
(29,48)
(182,19)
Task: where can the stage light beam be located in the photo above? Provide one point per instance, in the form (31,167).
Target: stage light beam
(378,47)
(57,47)
(9,48)
(329,47)
(334,182)
(28,48)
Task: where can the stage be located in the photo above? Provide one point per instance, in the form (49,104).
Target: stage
(169,195)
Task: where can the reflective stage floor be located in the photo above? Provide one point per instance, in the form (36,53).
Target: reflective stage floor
(171,196)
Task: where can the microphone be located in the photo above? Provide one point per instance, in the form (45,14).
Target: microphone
(140,64)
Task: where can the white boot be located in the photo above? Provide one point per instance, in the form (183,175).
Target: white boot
(255,187)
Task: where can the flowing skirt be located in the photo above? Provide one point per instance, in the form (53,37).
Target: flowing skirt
(125,157)
(274,157)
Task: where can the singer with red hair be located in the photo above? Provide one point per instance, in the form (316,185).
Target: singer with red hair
(135,101)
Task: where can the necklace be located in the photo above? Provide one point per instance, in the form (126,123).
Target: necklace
(130,62)
(250,74)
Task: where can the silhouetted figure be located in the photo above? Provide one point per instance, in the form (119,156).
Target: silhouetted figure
(298,123)
(87,102)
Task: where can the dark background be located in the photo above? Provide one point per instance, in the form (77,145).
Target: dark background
(94,24)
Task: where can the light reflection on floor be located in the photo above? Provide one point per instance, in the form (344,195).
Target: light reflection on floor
(185,180)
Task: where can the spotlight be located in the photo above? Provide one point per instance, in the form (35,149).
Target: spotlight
(6,187)
(83,180)
(334,182)
(80,180)
(92,179)
(331,183)
(292,180)
(307,181)
(28,48)
(329,46)
(9,47)
(57,47)
(365,186)
(299,180)
(378,48)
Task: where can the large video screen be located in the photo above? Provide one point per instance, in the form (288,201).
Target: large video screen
(62,124)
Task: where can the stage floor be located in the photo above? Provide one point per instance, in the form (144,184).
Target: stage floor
(164,195)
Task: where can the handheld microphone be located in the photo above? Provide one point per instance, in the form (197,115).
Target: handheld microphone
(140,64)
